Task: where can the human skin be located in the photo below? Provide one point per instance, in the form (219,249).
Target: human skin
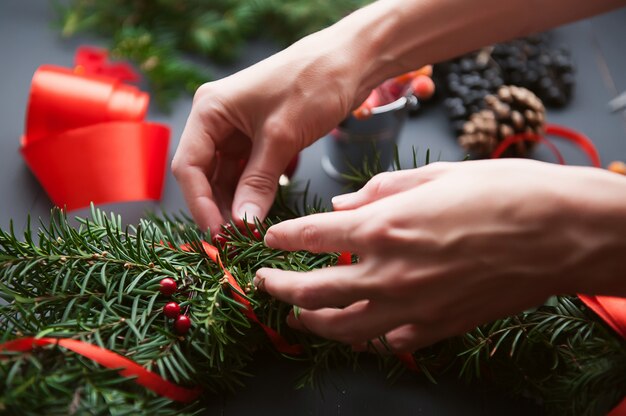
(430,266)
(449,246)
(270,111)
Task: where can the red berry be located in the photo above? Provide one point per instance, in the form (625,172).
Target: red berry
(167,286)
(182,324)
(171,310)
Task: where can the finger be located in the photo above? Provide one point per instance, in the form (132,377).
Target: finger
(357,323)
(320,288)
(257,186)
(191,165)
(317,233)
(224,182)
(389,183)
(406,338)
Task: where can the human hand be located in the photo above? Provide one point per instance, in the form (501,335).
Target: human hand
(264,114)
(449,246)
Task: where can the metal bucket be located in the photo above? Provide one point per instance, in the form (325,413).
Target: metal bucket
(368,143)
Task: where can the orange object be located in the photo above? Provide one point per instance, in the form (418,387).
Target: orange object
(86,140)
(617,167)
(423,87)
(394,88)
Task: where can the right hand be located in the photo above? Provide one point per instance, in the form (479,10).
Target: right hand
(450,246)
(264,114)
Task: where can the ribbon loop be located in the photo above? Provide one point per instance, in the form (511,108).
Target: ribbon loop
(86,140)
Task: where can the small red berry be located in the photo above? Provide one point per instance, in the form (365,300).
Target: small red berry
(182,324)
(171,310)
(167,286)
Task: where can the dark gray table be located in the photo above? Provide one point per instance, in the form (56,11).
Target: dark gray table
(27,40)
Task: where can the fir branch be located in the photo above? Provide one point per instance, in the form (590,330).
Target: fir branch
(154,35)
(99,282)
(360,175)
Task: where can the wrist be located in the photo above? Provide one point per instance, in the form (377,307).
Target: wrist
(599,226)
(366,35)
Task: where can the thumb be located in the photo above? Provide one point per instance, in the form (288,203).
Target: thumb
(257,185)
(389,183)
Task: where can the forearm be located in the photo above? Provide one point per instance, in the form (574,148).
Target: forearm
(400,35)
(598,226)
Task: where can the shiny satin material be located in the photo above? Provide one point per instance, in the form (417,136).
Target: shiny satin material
(109,359)
(613,311)
(86,140)
(280,343)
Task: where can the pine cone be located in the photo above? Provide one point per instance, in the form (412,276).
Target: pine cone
(513,110)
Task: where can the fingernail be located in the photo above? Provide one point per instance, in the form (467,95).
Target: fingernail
(259,281)
(270,239)
(248,212)
(342,199)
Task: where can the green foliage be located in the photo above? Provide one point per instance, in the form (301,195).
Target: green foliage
(360,175)
(98,282)
(560,354)
(154,33)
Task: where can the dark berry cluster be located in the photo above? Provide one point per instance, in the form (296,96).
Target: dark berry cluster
(467,81)
(533,64)
(530,62)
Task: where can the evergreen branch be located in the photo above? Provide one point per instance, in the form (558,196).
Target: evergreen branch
(154,35)
(99,283)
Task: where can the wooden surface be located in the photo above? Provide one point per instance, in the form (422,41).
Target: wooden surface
(27,40)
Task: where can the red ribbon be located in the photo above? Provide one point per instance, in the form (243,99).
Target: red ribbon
(96,61)
(280,343)
(86,140)
(613,311)
(583,142)
(110,359)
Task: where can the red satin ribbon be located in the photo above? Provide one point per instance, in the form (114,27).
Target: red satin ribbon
(280,343)
(109,359)
(86,140)
(613,311)
(583,142)
(96,61)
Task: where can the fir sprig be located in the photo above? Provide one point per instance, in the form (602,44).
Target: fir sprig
(98,282)
(155,34)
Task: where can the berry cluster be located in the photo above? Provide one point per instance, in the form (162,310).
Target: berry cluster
(182,323)
(533,64)
(467,81)
(530,63)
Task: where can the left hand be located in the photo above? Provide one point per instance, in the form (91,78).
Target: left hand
(450,246)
